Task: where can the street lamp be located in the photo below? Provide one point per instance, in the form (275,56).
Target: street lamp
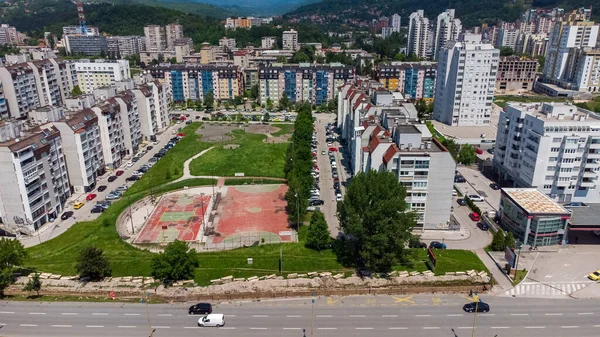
(297,210)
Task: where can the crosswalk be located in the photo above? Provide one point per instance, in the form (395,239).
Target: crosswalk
(547,289)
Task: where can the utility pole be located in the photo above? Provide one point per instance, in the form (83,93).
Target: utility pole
(131,215)
(312,327)
(297,210)
(475,318)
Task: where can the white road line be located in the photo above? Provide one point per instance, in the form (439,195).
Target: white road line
(94,326)
(132,314)
(164,315)
(500,327)
(7,312)
(37,313)
(366,328)
(519,314)
(229,315)
(585,313)
(324,316)
(431,327)
(465,327)
(293,316)
(596,326)
(292,328)
(27,324)
(127,326)
(569,326)
(535,327)
(258,328)
(61,326)
(423,315)
(326,328)
(69,313)
(486,315)
(99,314)
(389,315)
(355,316)
(260,316)
(228,328)
(398,328)
(192,327)
(554,314)
(161,327)
(455,315)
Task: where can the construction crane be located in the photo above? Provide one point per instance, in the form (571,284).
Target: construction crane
(81,15)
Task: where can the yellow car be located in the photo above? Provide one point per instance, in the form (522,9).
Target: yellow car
(78,205)
(595,276)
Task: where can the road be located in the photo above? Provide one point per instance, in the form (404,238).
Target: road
(52,230)
(477,183)
(417,315)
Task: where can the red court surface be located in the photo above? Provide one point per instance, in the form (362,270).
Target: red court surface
(247,210)
(181,215)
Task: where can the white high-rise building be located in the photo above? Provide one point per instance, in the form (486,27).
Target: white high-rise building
(466,76)
(395,22)
(92,74)
(419,35)
(267,42)
(507,37)
(173,32)
(554,147)
(447,29)
(156,38)
(290,40)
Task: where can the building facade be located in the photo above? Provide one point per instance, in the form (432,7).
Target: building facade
(554,147)
(267,42)
(153,107)
(516,73)
(100,73)
(466,77)
(447,29)
(415,80)
(8,35)
(122,46)
(290,40)
(419,35)
(86,45)
(317,84)
(173,32)
(156,38)
(78,30)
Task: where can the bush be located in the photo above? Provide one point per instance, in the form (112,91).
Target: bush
(472,205)
(176,263)
(499,241)
(92,264)
(318,233)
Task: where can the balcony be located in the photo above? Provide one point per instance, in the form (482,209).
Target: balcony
(594,146)
(590,174)
(593,155)
(587,182)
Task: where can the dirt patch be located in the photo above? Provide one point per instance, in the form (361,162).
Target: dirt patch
(217,132)
(231,146)
(261,129)
(280,139)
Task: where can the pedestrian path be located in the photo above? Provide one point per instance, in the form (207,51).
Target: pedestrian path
(548,289)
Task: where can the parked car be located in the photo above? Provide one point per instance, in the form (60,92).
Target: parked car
(494,186)
(129,164)
(101,188)
(103,203)
(149,147)
(474,216)
(112,178)
(437,245)
(594,276)
(119,173)
(78,205)
(97,209)
(66,215)
(112,196)
(316,203)
(153,159)
(90,196)
(459,179)
(338,197)
(122,188)
(476,198)
(132,178)
(461,201)
(476,306)
(575,204)
(200,309)
(217,320)
(483,226)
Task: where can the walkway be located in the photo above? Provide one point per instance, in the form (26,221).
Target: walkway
(502,282)
(186,167)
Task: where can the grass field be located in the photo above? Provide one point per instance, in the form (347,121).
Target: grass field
(253,157)
(283,129)
(502,100)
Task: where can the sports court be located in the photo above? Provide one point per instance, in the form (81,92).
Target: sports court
(176,217)
(253,212)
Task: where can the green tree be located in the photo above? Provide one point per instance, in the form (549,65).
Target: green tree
(161,58)
(238,100)
(318,233)
(375,218)
(499,241)
(541,61)
(332,105)
(266,117)
(269,104)
(506,51)
(209,100)
(467,155)
(91,263)
(300,57)
(509,240)
(76,91)
(173,60)
(12,254)
(254,91)
(284,102)
(282,59)
(34,284)
(176,263)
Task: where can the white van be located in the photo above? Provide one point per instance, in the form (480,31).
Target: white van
(212,320)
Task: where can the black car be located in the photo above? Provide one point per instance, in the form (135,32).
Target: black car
(459,179)
(197,117)
(476,306)
(135,159)
(150,147)
(97,209)
(200,308)
(101,188)
(66,215)
(336,185)
(132,178)
(483,226)
(461,201)
(338,191)
(7,234)
(495,186)
(437,244)
(112,178)
(316,203)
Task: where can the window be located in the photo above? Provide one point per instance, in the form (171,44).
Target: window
(555,149)
(556,140)
(551,168)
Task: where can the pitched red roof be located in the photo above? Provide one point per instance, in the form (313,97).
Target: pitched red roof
(358,101)
(374,142)
(365,149)
(389,154)
(365,124)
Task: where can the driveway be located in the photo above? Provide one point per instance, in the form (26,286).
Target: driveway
(477,183)
(327,191)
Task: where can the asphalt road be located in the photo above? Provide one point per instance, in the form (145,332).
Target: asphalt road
(327,193)
(418,315)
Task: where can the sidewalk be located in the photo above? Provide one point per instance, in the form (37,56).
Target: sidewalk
(502,282)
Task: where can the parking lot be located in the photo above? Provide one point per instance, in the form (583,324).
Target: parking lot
(477,183)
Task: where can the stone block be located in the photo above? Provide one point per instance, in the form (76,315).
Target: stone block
(402,273)
(107,279)
(485,279)
(252,279)
(302,275)
(126,279)
(461,273)
(45,275)
(393,273)
(217,281)
(482,273)
(268,277)
(66,278)
(279,278)
(227,279)
(239,279)
(54,277)
(292,275)
(338,276)
(325,274)
(450,273)
(312,274)
(414,273)
(137,280)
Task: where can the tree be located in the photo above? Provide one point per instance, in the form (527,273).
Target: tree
(318,233)
(269,104)
(34,284)
(238,100)
(92,264)
(76,91)
(373,215)
(284,102)
(173,60)
(509,240)
(209,100)
(467,155)
(12,254)
(161,58)
(176,263)
(266,117)
(254,91)
(541,61)
(506,51)
(281,59)
(499,241)
(332,105)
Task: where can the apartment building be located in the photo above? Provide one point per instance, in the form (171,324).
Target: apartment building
(516,74)
(173,32)
(290,40)
(447,28)
(315,83)
(156,38)
(395,22)
(92,74)
(554,147)
(466,77)
(153,107)
(227,44)
(507,37)
(86,45)
(82,148)
(419,35)
(8,35)
(267,42)
(123,46)
(194,81)
(415,80)
(78,30)
(34,183)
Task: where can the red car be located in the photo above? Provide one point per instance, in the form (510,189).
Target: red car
(332,149)
(119,173)
(90,196)
(479,151)
(474,216)
(181,134)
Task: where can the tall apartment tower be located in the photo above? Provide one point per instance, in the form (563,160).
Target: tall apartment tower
(173,32)
(290,40)
(447,29)
(419,31)
(466,76)
(156,39)
(395,23)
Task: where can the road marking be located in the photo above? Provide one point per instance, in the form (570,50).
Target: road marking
(519,314)
(164,315)
(431,327)
(260,316)
(69,313)
(389,315)
(228,328)
(99,314)
(465,327)
(535,327)
(363,328)
(555,314)
(293,316)
(358,316)
(487,315)
(397,328)
(292,328)
(423,315)
(258,328)
(500,327)
(161,327)
(596,326)
(326,328)
(7,312)
(324,316)
(127,326)
(192,327)
(27,324)
(131,314)
(585,313)
(229,315)
(569,326)
(454,315)
(94,326)
(37,313)
(61,326)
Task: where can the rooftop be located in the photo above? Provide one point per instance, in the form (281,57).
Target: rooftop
(585,217)
(532,201)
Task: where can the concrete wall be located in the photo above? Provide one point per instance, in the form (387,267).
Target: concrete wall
(439,191)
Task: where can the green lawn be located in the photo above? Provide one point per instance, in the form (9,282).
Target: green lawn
(501,100)
(283,129)
(447,261)
(251,181)
(253,157)
(170,167)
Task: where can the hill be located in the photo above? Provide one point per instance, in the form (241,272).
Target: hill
(334,13)
(250,7)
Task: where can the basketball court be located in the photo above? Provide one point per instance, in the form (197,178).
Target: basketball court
(176,217)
